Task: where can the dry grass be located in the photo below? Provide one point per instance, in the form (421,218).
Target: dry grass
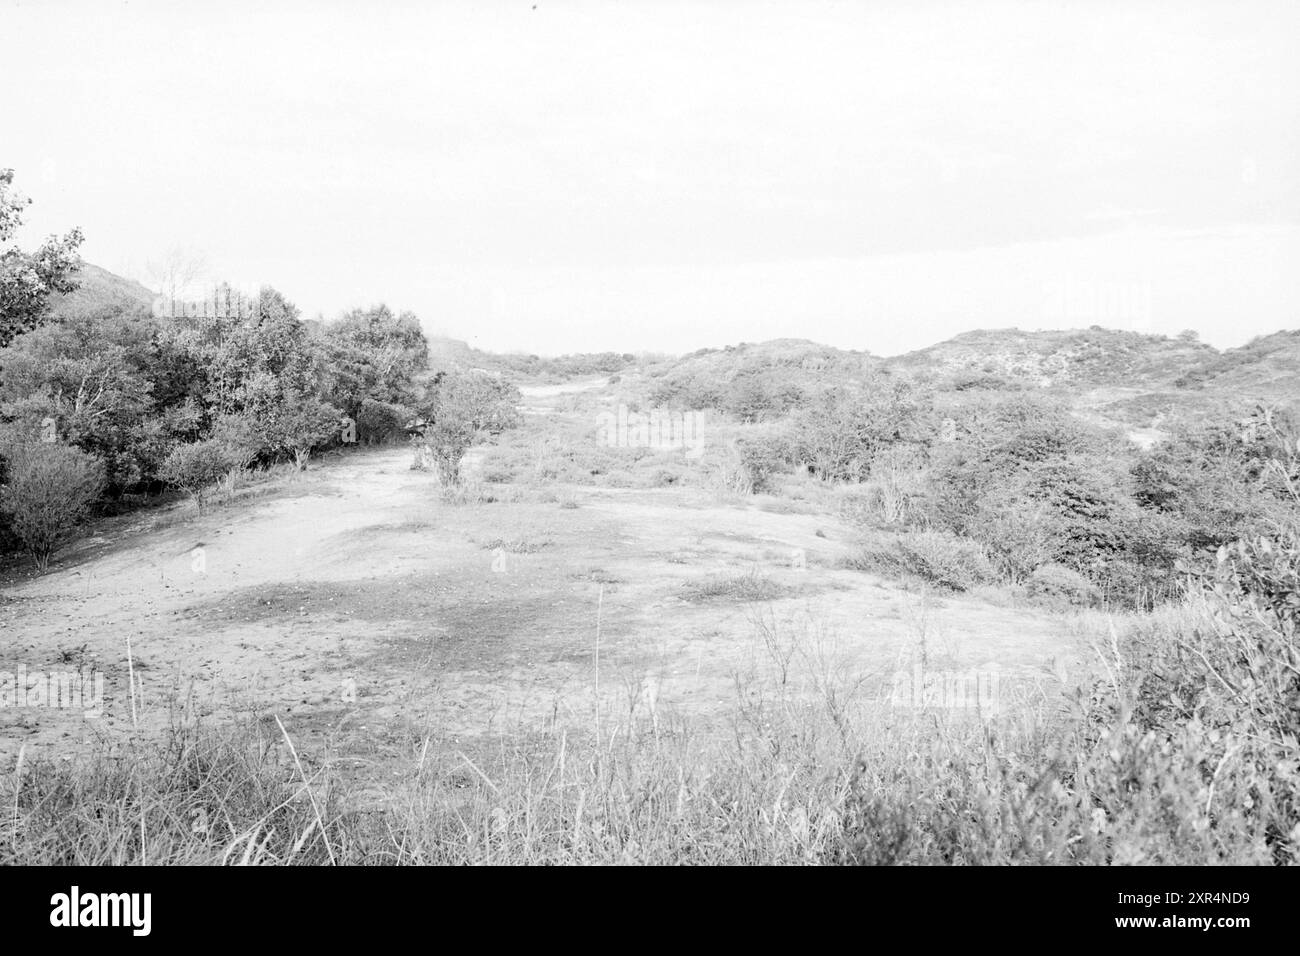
(1149,756)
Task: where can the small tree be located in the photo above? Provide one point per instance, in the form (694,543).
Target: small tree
(237,434)
(379,421)
(195,467)
(303,423)
(50,490)
(464,407)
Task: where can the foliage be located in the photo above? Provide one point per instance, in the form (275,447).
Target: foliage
(461,408)
(195,467)
(841,432)
(296,423)
(49,489)
(936,557)
(1057,583)
(379,422)
(373,356)
(27,279)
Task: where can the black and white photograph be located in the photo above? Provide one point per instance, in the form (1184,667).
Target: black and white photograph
(648,433)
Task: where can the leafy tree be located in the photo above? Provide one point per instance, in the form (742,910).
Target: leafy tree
(49,490)
(462,408)
(87,373)
(195,467)
(373,355)
(297,423)
(28,279)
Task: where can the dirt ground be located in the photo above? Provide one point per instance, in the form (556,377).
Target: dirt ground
(365,613)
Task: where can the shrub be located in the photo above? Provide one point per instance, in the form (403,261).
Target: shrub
(1020,536)
(195,468)
(896,486)
(750,586)
(935,557)
(462,409)
(1058,584)
(382,421)
(299,423)
(945,560)
(757,396)
(49,490)
(237,436)
(844,430)
(762,457)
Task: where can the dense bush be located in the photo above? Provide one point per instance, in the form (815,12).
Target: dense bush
(1037,487)
(460,409)
(936,557)
(196,467)
(1056,583)
(1222,478)
(372,356)
(238,437)
(944,560)
(48,490)
(379,422)
(840,433)
(298,424)
(761,456)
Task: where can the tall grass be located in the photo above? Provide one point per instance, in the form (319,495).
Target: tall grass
(1177,745)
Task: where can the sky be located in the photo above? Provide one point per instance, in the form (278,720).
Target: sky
(559,177)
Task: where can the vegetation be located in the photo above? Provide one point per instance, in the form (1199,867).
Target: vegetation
(980,465)
(178,402)
(195,467)
(28,279)
(1181,750)
(460,409)
(48,490)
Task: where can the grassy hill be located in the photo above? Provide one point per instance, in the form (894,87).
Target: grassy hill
(1072,358)
(99,289)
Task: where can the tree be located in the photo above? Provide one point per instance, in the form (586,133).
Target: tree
(50,488)
(373,356)
(89,374)
(299,423)
(28,279)
(462,408)
(195,467)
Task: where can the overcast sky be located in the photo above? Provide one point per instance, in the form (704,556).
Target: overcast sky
(665,176)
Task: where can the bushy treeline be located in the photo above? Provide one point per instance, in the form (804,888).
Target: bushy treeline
(131,389)
(1014,487)
(573,365)
(107,402)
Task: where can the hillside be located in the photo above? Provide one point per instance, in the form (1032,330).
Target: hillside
(447,353)
(1073,358)
(99,289)
(1265,366)
(800,360)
